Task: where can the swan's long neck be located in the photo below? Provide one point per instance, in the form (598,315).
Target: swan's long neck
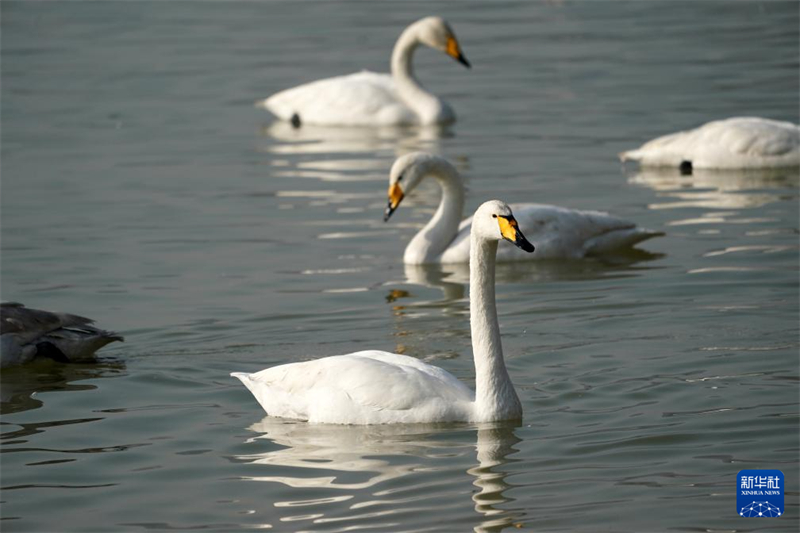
(426,105)
(442,228)
(495,397)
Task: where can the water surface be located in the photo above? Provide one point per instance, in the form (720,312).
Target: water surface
(142,188)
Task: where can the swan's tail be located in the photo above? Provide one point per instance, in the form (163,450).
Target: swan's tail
(630,155)
(274,401)
(620,238)
(244,377)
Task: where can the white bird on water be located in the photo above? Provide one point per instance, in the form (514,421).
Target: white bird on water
(371,99)
(32,333)
(557,232)
(375,387)
(738,142)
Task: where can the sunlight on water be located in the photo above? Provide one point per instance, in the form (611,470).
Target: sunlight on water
(142,188)
(718,189)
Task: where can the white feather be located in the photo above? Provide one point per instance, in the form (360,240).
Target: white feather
(374,387)
(372,99)
(556,232)
(361,99)
(739,142)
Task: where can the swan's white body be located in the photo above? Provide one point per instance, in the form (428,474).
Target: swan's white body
(557,232)
(374,387)
(369,387)
(372,99)
(739,142)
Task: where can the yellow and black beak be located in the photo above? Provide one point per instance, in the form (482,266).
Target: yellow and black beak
(395,197)
(509,229)
(454,51)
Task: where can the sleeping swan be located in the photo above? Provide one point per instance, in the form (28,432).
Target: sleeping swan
(557,232)
(374,387)
(372,99)
(739,142)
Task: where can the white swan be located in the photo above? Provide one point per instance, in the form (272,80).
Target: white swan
(27,333)
(557,232)
(371,99)
(739,142)
(374,387)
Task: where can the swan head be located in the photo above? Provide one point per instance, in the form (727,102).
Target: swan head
(407,171)
(494,221)
(437,33)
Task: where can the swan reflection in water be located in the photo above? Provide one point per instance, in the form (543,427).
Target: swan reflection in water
(355,146)
(452,279)
(363,463)
(718,189)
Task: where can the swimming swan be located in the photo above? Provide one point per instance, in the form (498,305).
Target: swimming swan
(557,232)
(739,142)
(29,333)
(368,98)
(374,387)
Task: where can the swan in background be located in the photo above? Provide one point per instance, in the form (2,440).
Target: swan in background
(322,141)
(372,99)
(374,387)
(739,142)
(557,232)
(29,333)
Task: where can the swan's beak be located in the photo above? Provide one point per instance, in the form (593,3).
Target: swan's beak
(395,197)
(454,51)
(509,229)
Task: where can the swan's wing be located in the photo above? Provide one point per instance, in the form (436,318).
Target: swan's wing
(358,388)
(364,98)
(738,142)
(559,232)
(751,136)
(458,250)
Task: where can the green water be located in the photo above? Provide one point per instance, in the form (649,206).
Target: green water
(141,187)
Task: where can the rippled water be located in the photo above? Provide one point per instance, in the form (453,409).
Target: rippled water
(140,187)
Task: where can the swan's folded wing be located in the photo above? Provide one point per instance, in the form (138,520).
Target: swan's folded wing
(560,232)
(458,250)
(752,136)
(738,142)
(364,98)
(353,388)
(557,233)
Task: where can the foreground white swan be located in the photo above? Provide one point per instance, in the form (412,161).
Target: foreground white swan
(374,387)
(557,232)
(739,142)
(367,98)
(27,333)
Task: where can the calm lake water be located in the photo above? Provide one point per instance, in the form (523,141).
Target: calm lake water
(141,187)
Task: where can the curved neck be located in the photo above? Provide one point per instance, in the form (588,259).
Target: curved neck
(495,397)
(439,232)
(424,104)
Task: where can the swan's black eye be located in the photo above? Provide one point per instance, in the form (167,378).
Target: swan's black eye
(400,177)
(494,216)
